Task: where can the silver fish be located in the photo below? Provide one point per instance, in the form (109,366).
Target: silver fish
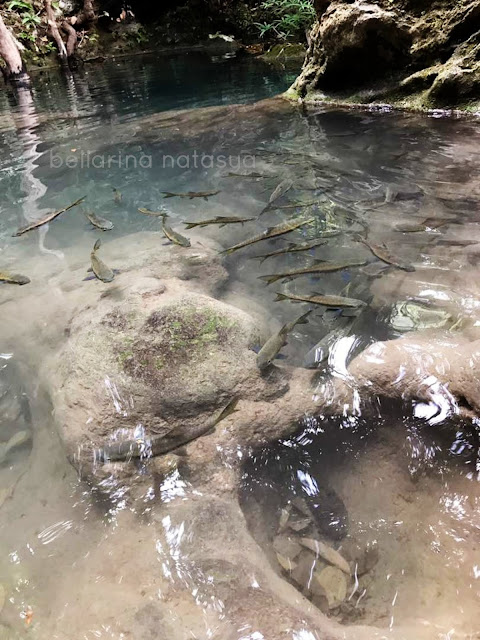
(274,345)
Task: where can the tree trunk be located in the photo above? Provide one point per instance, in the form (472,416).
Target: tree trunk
(71,38)
(10,53)
(88,14)
(54,32)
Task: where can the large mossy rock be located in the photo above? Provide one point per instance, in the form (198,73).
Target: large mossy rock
(165,366)
(361,42)
(411,54)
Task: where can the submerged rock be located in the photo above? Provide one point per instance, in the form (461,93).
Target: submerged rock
(334,583)
(411,316)
(327,553)
(160,360)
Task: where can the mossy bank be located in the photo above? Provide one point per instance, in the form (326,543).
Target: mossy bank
(411,55)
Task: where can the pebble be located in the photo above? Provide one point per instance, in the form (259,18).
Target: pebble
(284,516)
(334,583)
(303,572)
(286,546)
(299,525)
(327,553)
(286,563)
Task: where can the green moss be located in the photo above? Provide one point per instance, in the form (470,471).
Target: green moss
(123,356)
(291,94)
(286,50)
(172,338)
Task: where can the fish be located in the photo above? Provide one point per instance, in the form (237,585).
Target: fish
(99,268)
(173,236)
(157,445)
(101,223)
(271,232)
(156,214)
(253,174)
(220,220)
(292,248)
(190,194)
(13,278)
(335,302)
(117,195)
(280,190)
(294,205)
(319,266)
(382,253)
(274,345)
(46,219)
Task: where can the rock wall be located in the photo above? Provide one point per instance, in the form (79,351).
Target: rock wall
(411,54)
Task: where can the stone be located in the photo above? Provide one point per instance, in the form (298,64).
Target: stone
(286,546)
(327,553)
(334,582)
(284,516)
(286,563)
(382,52)
(412,316)
(303,572)
(299,525)
(301,506)
(438,369)
(360,41)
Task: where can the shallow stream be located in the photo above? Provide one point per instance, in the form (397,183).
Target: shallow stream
(401,479)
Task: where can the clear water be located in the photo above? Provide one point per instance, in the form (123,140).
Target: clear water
(74,566)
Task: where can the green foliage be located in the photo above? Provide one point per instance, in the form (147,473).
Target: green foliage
(286,19)
(20,6)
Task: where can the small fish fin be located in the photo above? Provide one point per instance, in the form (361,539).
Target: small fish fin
(269,279)
(168,194)
(318,261)
(204,197)
(318,293)
(281,356)
(256,348)
(304,319)
(97,245)
(92,277)
(227,411)
(280,297)
(189,225)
